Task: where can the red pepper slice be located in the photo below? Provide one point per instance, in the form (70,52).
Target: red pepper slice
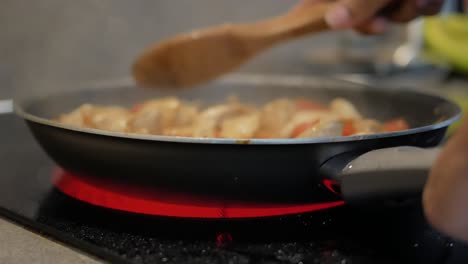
(299,129)
(305,104)
(136,108)
(348,128)
(394,125)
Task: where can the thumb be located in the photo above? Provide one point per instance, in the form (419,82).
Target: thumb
(350,13)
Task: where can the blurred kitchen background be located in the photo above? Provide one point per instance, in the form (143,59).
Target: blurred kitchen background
(52,45)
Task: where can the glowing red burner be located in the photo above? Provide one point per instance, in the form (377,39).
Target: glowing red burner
(118,197)
(331,185)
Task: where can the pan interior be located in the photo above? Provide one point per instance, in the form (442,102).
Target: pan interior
(421,110)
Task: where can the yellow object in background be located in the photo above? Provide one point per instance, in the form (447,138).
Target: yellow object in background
(462,100)
(446,40)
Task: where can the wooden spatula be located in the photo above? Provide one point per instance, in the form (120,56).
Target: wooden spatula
(202,55)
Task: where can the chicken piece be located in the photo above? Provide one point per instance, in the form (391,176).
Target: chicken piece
(186,131)
(185,116)
(323,129)
(105,118)
(209,121)
(366,126)
(177,112)
(244,126)
(74,118)
(303,104)
(306,117)
(147,122)
(344,109)
(157,115)
(395,125)
(275,115)
(280,118)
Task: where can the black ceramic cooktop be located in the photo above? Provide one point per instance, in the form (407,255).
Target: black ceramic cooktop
(342,235)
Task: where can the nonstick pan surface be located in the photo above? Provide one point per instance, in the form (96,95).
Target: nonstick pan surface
(286,170)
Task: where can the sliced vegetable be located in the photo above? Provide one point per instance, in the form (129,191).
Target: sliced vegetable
(136,108)
(344,108)
(348,128)
(304,104)
(217,133)
(394,125)
(323,129)
(264,134)
(299,129)
(299,117)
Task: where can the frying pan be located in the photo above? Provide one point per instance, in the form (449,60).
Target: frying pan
(365,168)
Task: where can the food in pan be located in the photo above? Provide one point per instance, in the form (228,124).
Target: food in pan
(280,118)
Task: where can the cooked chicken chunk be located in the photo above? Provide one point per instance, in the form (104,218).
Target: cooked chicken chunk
(279,118)
(244,126)
(366,126)
(306,117)
(275,115)
(323,129)
(209,121)
(98,117)
(344,109)
(157,115)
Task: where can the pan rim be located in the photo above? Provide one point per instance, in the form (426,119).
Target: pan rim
(240,79)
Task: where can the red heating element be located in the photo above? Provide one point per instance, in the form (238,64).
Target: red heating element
(331,185)
(119,197)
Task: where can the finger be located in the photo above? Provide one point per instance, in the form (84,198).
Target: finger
(446,191)
(350,13)
(375,26)
(429,7)
(406,11)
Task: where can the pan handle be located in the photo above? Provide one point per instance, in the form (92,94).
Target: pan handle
(387,174)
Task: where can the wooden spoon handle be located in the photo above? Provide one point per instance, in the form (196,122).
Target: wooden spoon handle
(202,55)
(298,22)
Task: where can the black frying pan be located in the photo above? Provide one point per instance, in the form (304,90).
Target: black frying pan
(286,170)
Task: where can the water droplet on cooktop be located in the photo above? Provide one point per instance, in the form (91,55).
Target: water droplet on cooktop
(450,244)
(344,261)
(416,245)
(164,259)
